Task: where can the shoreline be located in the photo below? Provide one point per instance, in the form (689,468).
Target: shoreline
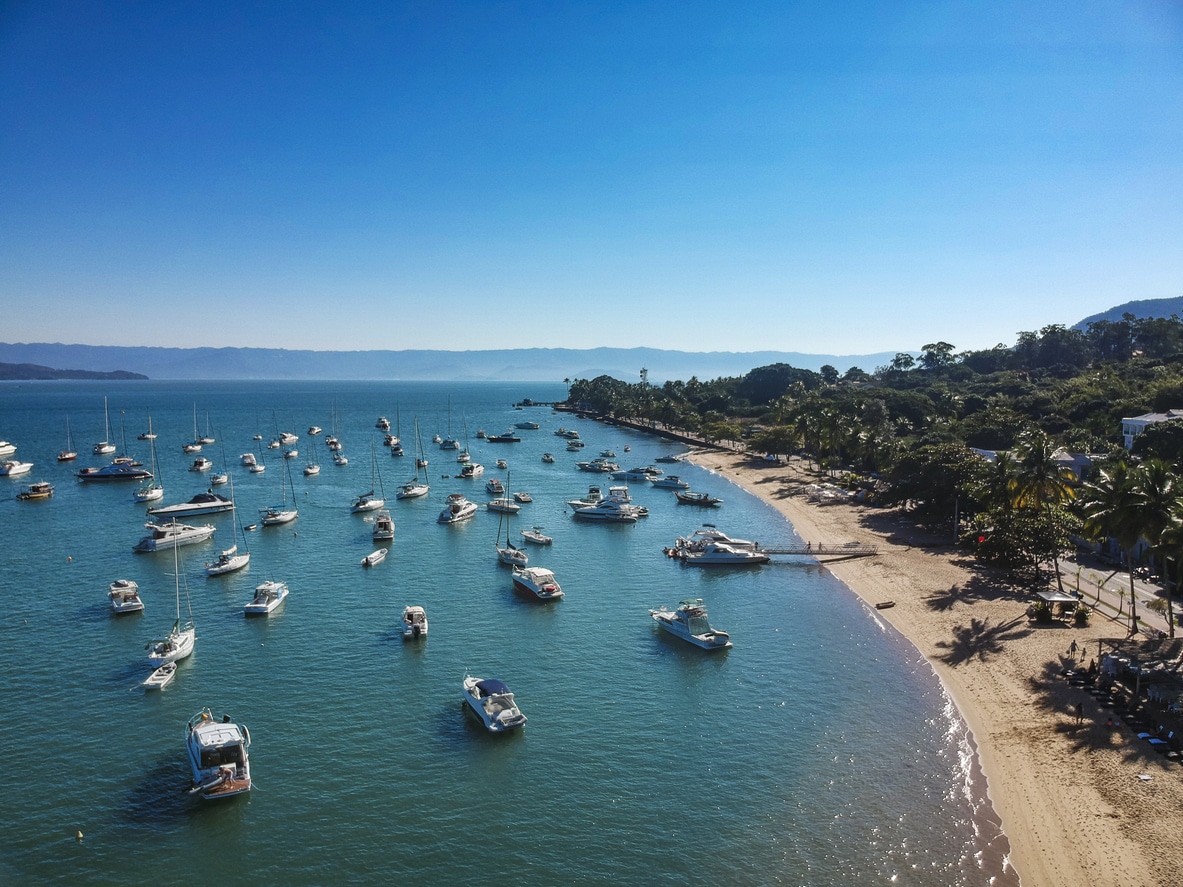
(1072,806)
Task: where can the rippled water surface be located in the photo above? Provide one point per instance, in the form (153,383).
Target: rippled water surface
(818,750)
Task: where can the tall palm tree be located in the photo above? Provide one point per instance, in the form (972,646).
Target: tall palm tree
(1157,487)
(1113,507)
(1041,482)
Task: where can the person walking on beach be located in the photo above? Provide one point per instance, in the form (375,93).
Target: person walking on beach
(1072,648)
(1079,713)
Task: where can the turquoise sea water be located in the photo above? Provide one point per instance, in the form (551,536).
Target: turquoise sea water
(819,750)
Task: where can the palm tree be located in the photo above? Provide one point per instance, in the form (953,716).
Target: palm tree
(1041,481)
(1161,505)
(1113,507)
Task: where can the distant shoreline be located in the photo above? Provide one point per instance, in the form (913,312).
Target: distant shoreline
(31,372)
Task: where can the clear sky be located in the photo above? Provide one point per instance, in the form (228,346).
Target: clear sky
(821,177)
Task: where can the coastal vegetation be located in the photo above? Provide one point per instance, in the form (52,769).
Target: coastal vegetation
(1015,451)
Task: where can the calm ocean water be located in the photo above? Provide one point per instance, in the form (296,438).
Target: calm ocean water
(819,750)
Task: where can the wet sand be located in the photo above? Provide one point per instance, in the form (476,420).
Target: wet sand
(1070,798)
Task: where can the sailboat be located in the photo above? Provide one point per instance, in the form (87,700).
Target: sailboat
(194,446)
(313,467)
(209,438)
(222,475)
(105,447)
(68,454)
(449,442)
(231,559)
(509,554)
(369,501)
(464,456)
(179,642)
(149,434)
(153,489)
(415,488)
(281,514)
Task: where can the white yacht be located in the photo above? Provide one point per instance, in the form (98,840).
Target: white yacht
(537,581)
(493,703)
(218,756)
(613,508)
(201,464)
(598,466)
(457,509)
(171,534)
(503,504)
(494,487)
(14,468)
(7,448)
(689,622)
(471,470)
(125,597)
(203,503)
(314,430)
(268,596)
(414,622)
(702,554)
(670,482)
(711,533)
(383,526)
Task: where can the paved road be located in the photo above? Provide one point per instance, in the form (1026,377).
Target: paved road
(1099,581)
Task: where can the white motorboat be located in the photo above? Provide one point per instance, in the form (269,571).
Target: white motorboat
(268,596)
(612,508)
(686,497)
(668,459)
(548,458)
(287,438)
(383,526)
(536,536)
(208,502)
(125,597)
(670,482)
(172,533)
(593,496)
(14,468)
(689,622)
(340,458)
(598,466)
(314,430)
(471,470)
(502,464)
(493,703)
(180,640)
(117,470)
(522,497)
(527,426)
(160,677)
(414,622)
(290,452)
(370,501)
(507,436)
(701,554)
(383,424)
(7,448)
(201,464)
(248,460)
(374,558)
(494,487)
(218,756)
(537,581)
(149,434)
(457,509)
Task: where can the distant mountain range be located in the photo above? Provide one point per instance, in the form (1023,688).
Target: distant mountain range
(509,365)
(1140,309)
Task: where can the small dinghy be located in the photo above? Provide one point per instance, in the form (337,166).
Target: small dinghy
(160,678)
(374,558)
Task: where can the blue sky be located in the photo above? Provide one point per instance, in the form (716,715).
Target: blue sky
(820,177)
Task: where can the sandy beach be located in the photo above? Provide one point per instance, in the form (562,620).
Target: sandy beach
(1074,801)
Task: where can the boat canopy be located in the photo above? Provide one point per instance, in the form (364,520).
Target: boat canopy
(491,687)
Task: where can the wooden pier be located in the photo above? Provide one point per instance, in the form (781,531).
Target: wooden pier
(826,550)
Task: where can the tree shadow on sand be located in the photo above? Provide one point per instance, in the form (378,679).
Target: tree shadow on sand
(979,587)
(981,640)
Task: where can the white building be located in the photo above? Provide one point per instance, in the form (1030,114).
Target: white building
(1131,428)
